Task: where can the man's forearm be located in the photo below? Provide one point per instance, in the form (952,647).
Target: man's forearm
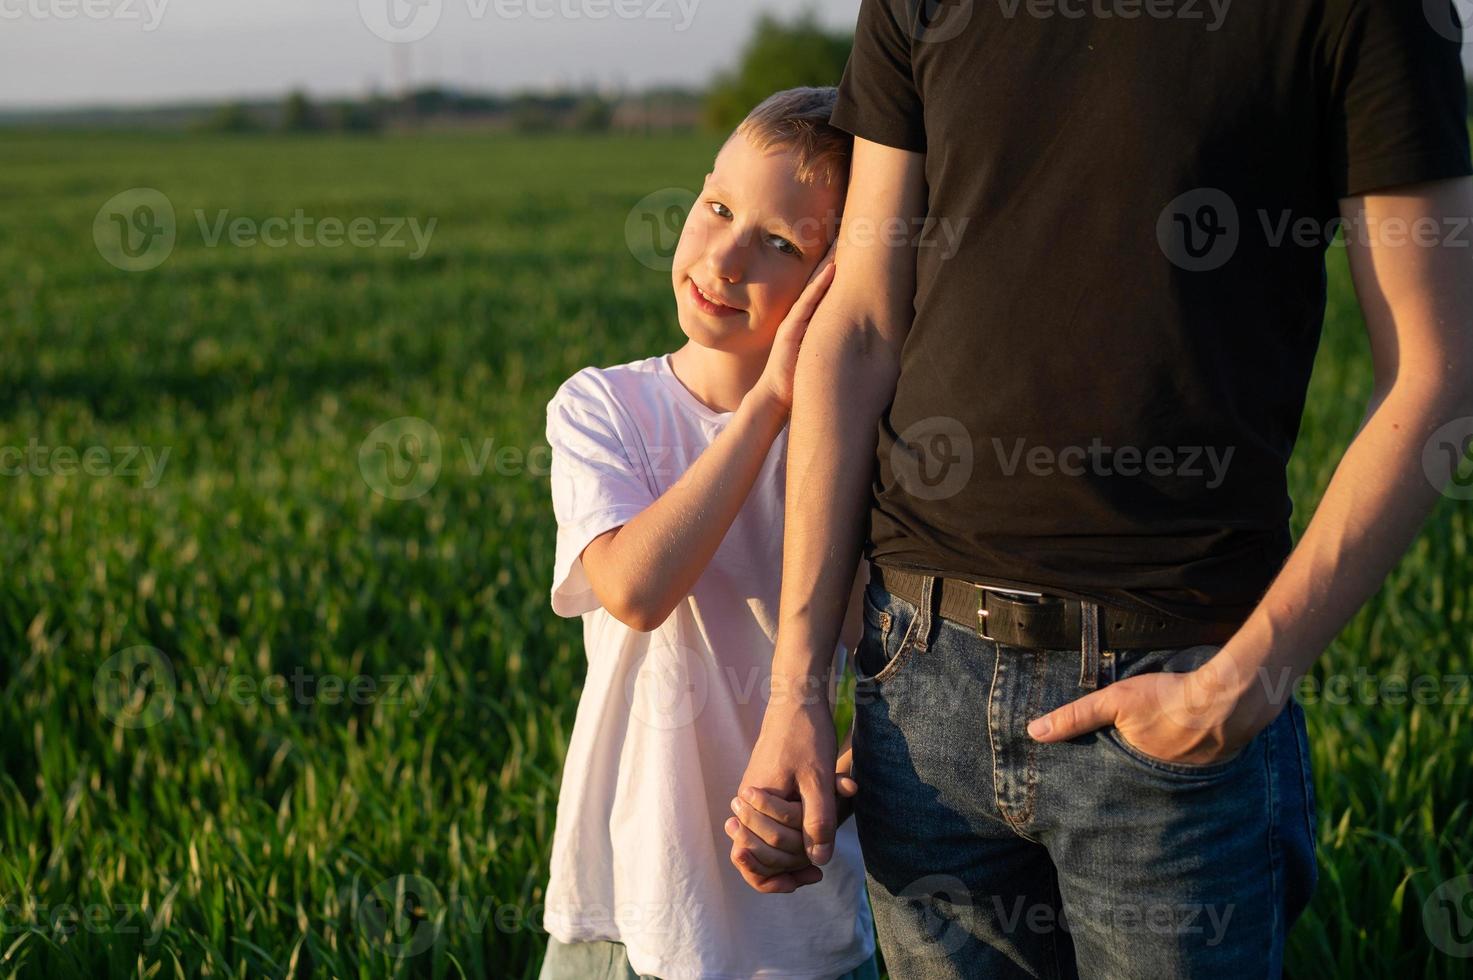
(1375,504)
(845,378)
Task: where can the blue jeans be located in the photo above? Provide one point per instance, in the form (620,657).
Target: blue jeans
(991,855)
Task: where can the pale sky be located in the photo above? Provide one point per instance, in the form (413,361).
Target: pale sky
(101,52)
(145,51)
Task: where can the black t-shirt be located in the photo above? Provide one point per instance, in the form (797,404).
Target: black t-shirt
(1118,298)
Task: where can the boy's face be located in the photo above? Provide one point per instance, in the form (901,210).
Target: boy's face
(749,244)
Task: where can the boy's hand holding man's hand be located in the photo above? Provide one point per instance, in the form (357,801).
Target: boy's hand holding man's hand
(767,833)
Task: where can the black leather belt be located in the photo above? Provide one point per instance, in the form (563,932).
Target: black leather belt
(1048,622)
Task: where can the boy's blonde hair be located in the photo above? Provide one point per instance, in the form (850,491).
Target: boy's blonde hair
(797,119)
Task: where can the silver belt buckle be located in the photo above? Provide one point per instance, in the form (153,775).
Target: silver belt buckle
(982,605)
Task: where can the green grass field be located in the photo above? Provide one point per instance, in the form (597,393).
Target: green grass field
(246,804)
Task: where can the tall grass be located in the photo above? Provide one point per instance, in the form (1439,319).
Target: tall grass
(220,829)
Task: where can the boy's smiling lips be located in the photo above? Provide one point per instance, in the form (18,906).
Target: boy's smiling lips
(711,303)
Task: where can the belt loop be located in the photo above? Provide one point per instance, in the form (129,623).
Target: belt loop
(1089,644)
(922,628)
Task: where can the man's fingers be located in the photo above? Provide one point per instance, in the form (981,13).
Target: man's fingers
(846,785)
(767,829)
(1095,710)
(817,793)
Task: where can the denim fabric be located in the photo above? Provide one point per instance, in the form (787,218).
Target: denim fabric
(604,959)
(991,855)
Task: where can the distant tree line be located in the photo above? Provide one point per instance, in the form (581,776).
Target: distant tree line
(778,55)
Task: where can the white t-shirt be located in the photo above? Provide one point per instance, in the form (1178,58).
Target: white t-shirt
(667,719)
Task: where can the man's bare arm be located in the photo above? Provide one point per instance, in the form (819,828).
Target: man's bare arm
(1418,304)
(1417,299)
(844,379)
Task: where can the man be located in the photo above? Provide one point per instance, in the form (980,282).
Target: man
(1080,373)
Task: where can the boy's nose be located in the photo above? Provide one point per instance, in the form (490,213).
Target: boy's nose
(724,258)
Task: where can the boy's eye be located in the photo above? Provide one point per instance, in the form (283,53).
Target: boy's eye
(784,246)
(780,243)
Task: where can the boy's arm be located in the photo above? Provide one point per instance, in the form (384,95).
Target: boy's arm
(642,569)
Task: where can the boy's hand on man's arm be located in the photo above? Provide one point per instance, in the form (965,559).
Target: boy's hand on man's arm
(641,570)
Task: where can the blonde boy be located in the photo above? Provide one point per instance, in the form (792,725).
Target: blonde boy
(668,486)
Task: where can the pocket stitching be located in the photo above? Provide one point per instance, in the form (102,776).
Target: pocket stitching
(1115,736)
(902,654)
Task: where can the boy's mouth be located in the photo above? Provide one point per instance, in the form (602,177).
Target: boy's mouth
(707,303)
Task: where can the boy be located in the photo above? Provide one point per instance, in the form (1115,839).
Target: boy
(668,486)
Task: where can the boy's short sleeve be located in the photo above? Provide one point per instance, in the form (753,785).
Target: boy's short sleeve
(596,485)
(878,99)
(1398,104)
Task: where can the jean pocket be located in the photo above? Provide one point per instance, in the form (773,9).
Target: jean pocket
(1197,770)
(886,644)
